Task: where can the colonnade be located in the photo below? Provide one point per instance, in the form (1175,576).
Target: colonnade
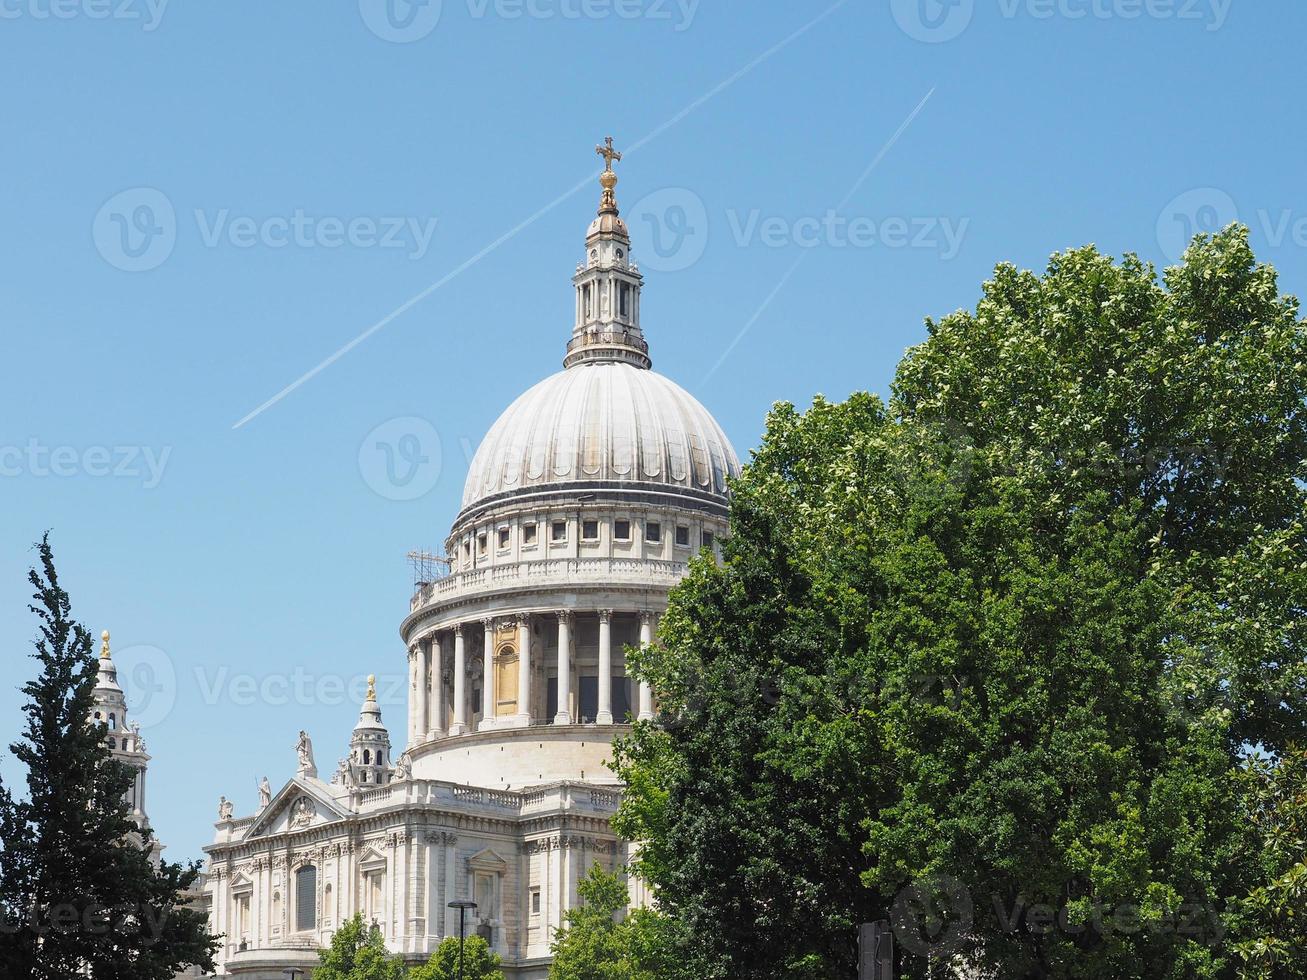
(428,658)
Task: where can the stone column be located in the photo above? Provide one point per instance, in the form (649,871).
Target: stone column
(437,682)
(564,713)
(423,672)
(459,725)
(605,715)
(488,677)
(524,671)
(646,693)
(413,716)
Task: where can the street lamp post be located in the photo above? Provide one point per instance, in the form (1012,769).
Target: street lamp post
(463,906)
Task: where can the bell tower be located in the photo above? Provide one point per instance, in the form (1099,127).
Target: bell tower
(608,285)
(123,739)
(369,747)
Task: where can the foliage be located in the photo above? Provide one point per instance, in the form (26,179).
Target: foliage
(1277,909)
(599,943)
(987,660)
(479,962)
(358,953)
(78,893)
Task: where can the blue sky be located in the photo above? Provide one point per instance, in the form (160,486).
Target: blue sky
(202,202)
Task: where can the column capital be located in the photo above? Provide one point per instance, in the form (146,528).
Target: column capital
(458,629)
(488,623)
(605,615)
(566,616)
(646,617)
(523,619)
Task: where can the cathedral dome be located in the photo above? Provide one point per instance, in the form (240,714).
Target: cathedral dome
(604,424)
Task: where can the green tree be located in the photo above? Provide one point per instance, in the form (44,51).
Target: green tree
(358,953)
(600,943)
(987,660)
(78,893)
(479,962)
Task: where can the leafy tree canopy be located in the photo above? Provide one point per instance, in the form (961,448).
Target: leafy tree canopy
(988,660)
(602,941)
(358,953)
(479,962)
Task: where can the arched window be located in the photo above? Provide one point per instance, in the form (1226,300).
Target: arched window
(113,721)
(306,898)
(367,757)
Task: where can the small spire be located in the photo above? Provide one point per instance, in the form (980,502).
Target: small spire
(608,179)
(104,645)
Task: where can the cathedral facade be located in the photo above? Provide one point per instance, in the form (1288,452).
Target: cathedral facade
(581,509)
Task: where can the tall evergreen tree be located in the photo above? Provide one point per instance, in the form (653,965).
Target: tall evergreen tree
(78,892)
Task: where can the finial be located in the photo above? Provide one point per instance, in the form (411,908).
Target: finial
(372,687)
(104,645)
(608,179)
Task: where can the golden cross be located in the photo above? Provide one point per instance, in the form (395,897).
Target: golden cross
(608,153)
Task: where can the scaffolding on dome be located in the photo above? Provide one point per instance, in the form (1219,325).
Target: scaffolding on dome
(427,568)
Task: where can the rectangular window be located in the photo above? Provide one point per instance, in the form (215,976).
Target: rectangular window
(622,530)
(626,299)
(535,901)
(306,898)
(560,531)
(528,534)
(708,539)
(590,530)
(503,537)
(481,544)
(653,532)
(682,535)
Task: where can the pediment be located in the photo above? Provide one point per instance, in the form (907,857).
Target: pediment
(370,859)
(299,805)
(487,860)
